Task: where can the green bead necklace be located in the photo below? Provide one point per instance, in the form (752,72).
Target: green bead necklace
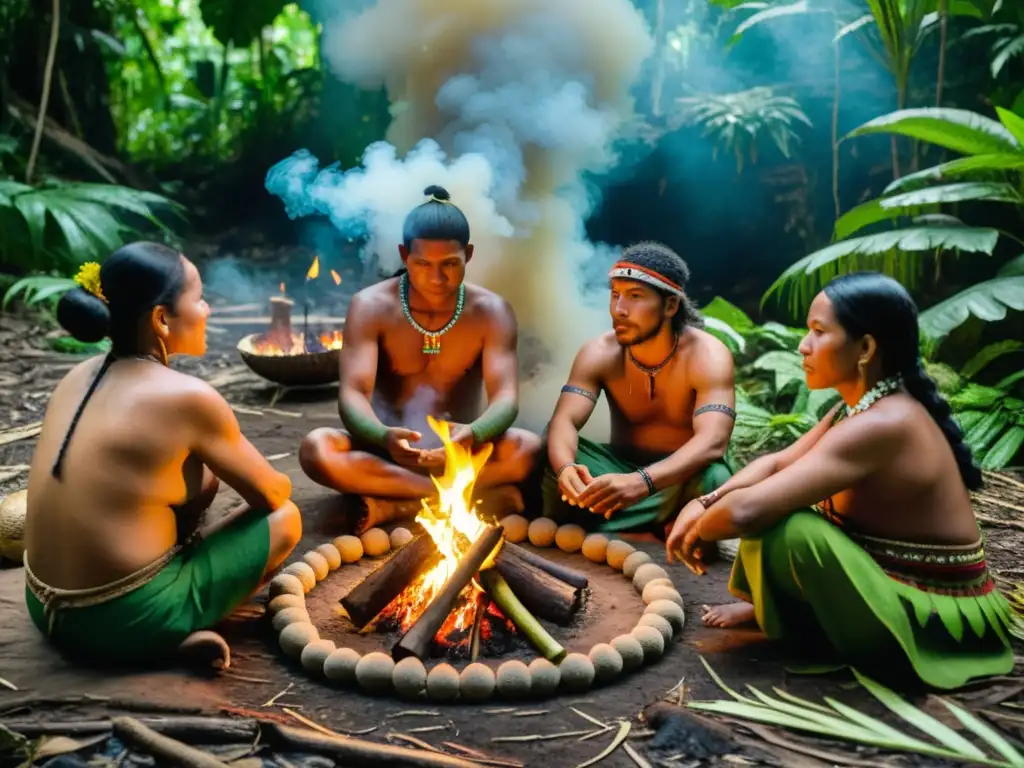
(431,339)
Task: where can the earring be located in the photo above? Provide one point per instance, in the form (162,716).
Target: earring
(862,365)
(163,350)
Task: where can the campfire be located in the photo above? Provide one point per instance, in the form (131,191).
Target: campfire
(459,588)
(289,357)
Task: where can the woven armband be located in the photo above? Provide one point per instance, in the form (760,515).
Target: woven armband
(568,388)
(715,407)
(494,422)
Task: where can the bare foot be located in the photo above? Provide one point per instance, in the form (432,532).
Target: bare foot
(500,501)
(205,651)
(728,615)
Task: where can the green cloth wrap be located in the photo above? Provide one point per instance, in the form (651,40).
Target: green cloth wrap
(813,585)
(195,590)
(362,426)
(652,512)
(495,421)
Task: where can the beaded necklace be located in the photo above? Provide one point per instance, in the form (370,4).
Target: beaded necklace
(431,339)
(653,371)
(881,389)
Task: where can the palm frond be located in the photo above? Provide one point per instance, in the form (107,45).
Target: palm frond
(960,130)
(988,165)
(884,250)
(841,721)
(987,301)
(909,203)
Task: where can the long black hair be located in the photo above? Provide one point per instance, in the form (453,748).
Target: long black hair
(663,260)
(871,303)
(133,280)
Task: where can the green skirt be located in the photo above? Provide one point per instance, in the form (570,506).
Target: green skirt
(893,610)
(195,590)
(652,513)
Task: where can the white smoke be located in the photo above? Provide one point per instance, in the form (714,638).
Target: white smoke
(506,103)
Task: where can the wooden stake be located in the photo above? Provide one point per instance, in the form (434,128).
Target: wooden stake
(568,575)
(544,595)
(416,641)
(131,731)
(357,752)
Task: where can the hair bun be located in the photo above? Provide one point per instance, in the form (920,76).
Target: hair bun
(436,191)
(84,316)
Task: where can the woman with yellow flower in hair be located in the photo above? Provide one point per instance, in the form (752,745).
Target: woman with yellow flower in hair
(117,564)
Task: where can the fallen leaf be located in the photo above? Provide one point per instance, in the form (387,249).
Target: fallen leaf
(52,746)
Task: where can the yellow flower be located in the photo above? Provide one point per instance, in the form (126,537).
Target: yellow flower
(89,278)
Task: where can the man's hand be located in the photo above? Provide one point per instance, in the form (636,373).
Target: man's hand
(572,482)
(610,493)
(397,440)
(462,434)
(683,542)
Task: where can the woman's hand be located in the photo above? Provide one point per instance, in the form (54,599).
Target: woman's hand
(684,543)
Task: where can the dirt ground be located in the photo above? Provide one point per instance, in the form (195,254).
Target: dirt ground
(50,689)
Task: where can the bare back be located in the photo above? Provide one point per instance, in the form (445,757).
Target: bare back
(128,461)
(916,494)
(665,422)
(454,377)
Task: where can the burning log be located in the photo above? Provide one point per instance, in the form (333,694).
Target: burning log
(543,595)
(516,612)
(568,575)
(374,593)
(416,642)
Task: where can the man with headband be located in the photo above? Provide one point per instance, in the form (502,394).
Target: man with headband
(424,343)
(670,392)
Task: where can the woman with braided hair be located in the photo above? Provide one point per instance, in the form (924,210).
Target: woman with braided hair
(882,566)
(119,566)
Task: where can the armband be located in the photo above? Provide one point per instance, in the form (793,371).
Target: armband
(494,422)
(715,407)
(647,479)
(578,391)
(363,427)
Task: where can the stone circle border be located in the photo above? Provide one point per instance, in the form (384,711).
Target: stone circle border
(376,673)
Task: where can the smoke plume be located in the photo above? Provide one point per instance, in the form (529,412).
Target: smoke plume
(506,106)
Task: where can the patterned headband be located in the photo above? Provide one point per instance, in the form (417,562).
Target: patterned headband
(625,271)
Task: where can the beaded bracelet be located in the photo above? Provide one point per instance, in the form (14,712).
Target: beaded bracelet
(561,469)
(708,498)
(647,479)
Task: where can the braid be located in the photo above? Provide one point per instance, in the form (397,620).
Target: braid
(923,389)
(104,366)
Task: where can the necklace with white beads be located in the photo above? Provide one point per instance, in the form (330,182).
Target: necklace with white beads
(882,389)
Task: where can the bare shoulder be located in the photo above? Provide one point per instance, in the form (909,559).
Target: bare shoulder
(487,304)
(196,400)
(377,297)
(882,428)
(710,356)
(599,354)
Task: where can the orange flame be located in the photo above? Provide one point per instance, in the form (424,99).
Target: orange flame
(336,277)
(266,346)
(447,519)
(314,269)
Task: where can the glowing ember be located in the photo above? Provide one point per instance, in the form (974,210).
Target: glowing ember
(314,269)
(335,277)
(268,346)
(453,525)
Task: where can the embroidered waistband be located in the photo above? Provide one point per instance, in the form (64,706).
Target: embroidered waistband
(959,570)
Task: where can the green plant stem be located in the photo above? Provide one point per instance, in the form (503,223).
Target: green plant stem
(514,610)
(44,102)
(835,132)
(943,31)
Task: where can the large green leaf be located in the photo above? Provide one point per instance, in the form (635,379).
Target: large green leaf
(987,301)
(905,204)
(988,353)
(787,367)
(729,313)
(1007,50)
(793,9)
(958,129)
(979,165)
(1004,450)
(804,278)
(239,21)
(1013,122)
(1012,268)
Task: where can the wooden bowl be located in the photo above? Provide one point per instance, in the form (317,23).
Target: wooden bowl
(309,369)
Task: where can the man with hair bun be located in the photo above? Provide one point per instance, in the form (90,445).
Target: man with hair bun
(669,386)
(424,342)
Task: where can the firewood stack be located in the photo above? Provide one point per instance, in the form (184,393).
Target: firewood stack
(523,585)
